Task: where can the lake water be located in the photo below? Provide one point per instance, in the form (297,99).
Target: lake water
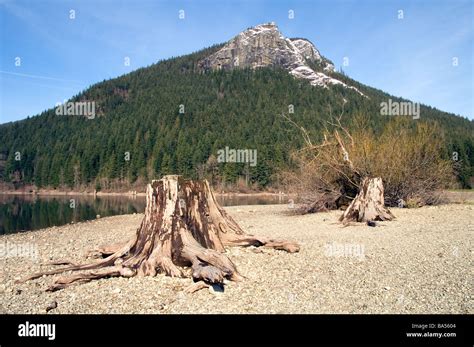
(26,212)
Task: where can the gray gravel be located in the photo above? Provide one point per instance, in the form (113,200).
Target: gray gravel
(419,263)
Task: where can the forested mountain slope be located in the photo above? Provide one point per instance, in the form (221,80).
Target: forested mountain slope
(173,116)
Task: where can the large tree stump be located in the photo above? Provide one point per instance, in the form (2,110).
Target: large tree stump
(369,204)
(183,234)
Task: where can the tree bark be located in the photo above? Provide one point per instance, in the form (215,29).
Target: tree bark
(183,234)
(368,205)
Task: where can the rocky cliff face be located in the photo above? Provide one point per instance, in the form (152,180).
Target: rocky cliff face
(264,45)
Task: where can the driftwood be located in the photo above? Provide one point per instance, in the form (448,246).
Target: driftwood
(183,234)
(368,205)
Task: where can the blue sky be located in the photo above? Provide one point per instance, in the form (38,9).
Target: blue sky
(410,57)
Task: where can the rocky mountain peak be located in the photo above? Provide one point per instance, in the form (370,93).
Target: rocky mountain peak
(306,48)
(264,45)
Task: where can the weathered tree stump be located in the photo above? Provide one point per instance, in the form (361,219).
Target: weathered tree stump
(368,205)
(183,234)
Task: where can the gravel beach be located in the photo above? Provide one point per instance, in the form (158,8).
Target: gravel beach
(419,263)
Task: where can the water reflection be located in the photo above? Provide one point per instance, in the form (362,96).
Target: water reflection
(28,212)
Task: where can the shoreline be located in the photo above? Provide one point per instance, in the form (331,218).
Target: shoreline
(131,194)
(462,196)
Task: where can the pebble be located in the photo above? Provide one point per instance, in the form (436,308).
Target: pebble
(216,289)
(52,306)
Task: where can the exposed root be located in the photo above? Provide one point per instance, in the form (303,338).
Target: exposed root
(257,241)
(107,250)
(113,271)
(195,287)
(207,264)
